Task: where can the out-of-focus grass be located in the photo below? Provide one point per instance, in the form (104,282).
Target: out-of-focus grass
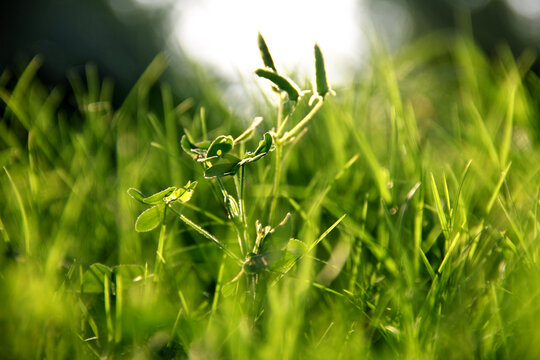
(431,153)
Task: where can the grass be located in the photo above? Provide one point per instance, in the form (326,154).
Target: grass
(431,154)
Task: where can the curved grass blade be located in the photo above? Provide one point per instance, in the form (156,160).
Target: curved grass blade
(284,84)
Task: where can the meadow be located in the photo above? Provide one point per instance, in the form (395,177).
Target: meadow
(398,220)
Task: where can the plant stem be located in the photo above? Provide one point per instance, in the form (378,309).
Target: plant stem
(239,183)
(277,166)
(231,216)
(302,122)
(275,186)
(159,253)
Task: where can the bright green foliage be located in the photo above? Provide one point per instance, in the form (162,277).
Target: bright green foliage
(227,166)
(150,218)
(431,153)
(157,198)
(198,151)
(219,147)
(265,146)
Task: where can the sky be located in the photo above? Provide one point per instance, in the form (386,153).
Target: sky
(223,34)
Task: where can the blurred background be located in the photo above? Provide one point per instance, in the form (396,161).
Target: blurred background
(122,36)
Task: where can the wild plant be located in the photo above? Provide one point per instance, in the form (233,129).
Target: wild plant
(272,248)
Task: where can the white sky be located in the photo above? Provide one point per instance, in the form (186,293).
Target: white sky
(223,34)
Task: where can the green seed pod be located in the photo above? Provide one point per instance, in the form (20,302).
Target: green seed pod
(284,84)
(265,54)
(320,73)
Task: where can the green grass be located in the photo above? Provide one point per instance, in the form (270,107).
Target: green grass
(432,154)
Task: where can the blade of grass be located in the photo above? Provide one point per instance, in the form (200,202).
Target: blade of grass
(23,214)
(497,189)
(438,205)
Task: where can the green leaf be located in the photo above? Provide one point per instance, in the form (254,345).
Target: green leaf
(182,194)
(195,151)
(284,84)
(150,218)
(220,146)
(320,73)
(159,197)
(136,194)
(265,53)
(92,281)
(265,146)
(226,166)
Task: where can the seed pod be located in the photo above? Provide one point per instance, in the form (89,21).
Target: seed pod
(265,54)
(320,73)
(284,84)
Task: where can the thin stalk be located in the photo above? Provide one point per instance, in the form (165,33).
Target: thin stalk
(159,253)
(275,186)
(231,217)
(217,291)
(107,301)
(302,122)
(239,184)
(206,234)
(280,112)
(277,166)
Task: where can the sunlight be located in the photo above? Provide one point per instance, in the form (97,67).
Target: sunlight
(224,34)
